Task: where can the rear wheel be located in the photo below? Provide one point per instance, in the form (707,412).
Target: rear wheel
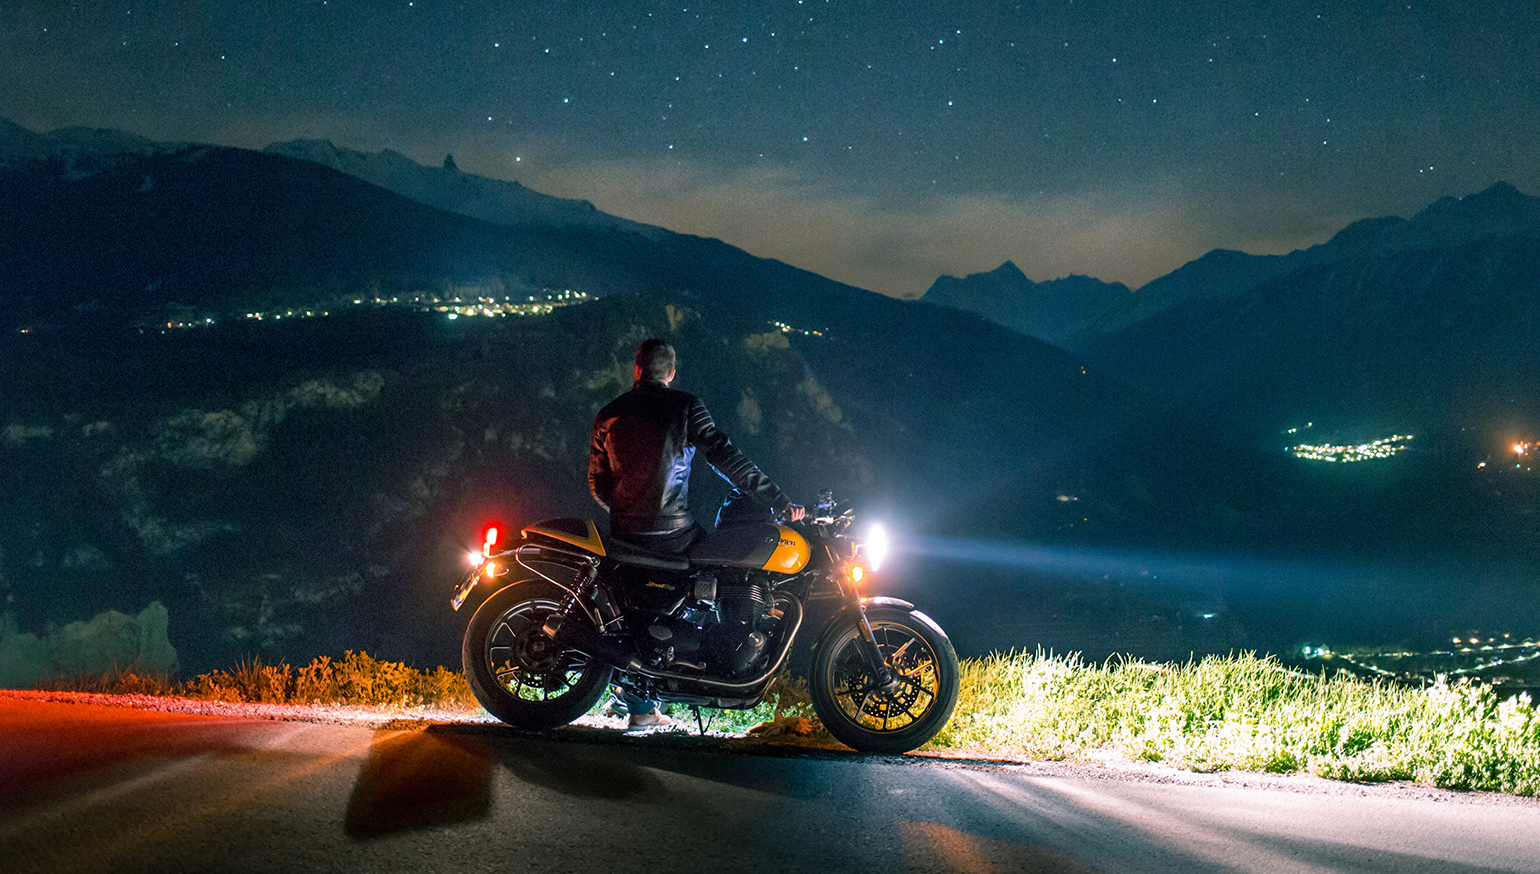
(516,671)
(898,716)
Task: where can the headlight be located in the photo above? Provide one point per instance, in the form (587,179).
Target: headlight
(876,546)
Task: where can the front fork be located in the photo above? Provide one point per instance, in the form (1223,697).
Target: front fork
(883,675)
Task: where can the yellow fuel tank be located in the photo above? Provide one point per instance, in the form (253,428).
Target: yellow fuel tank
(791,554)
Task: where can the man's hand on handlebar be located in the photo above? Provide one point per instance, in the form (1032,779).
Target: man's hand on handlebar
(795,512)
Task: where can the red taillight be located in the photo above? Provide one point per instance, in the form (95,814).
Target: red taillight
(486,548)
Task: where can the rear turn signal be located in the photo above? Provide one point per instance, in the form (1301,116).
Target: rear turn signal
(491,541)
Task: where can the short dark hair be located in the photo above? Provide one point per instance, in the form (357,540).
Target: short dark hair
(654,359)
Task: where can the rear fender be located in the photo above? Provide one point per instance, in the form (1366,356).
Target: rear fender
(588,609)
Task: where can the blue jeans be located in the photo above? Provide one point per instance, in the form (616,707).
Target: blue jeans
(636,705)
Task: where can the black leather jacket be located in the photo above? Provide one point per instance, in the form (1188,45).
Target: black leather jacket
(639,460)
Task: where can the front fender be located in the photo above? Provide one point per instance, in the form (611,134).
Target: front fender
(880,601)
(849,612)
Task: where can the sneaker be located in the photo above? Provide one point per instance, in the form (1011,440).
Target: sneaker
(655,719)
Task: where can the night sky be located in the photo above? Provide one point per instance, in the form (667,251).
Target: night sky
(878,143)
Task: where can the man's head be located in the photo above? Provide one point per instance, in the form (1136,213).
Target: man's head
(655,360)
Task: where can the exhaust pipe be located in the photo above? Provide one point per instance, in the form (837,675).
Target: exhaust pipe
(578,636)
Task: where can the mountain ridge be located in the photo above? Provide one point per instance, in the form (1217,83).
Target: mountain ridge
(1499,210)
(501,202)
(298,487)
(1059,311)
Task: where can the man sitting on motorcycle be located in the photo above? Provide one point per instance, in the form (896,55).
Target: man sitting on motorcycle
(639,460)
(639,468)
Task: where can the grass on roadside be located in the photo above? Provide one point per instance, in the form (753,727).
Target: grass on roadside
(1245,712)
(357,679)
(1240,712)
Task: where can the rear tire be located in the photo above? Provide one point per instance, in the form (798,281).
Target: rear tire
(866,718)
(516,671)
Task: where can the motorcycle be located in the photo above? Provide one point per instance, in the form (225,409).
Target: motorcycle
(710,628)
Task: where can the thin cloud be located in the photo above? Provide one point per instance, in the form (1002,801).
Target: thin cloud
(900,249)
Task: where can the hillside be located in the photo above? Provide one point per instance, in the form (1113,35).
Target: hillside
(301,485)
(1420,324)
(306,484)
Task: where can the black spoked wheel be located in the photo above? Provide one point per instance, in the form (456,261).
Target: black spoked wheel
(892,717)
(516,671)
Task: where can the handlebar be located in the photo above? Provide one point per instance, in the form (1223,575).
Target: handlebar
(824,513)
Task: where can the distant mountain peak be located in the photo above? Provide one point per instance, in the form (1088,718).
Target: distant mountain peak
(18,141)
(1059,310)
(1009,270)
(1500,189)
(447,187)
(1500,210)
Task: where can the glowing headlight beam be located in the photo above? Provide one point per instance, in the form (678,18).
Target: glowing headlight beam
(876,546)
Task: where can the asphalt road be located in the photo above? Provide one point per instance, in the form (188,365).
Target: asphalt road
(91,788)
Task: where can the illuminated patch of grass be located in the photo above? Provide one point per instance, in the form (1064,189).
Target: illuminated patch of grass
(358,679)
(787,696)
(119,681)
(1249,713)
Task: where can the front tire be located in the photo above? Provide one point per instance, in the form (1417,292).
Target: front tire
(865,717)
(516,671)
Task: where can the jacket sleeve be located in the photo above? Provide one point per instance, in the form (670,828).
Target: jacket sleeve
(601,479)
(728,461)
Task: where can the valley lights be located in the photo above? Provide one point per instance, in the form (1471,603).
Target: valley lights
(1381,448)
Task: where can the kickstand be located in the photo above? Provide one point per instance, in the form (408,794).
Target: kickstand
(701,723)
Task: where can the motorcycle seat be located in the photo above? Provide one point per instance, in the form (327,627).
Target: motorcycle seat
(630,553)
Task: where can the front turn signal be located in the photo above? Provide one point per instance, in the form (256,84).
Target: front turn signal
(857,573)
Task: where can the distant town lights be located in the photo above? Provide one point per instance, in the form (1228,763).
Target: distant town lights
(452,306)
(1381,448)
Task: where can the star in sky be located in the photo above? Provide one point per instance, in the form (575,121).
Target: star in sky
(1116,139)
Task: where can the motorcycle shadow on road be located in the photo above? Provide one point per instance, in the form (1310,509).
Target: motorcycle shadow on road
(418,779)
(431,775)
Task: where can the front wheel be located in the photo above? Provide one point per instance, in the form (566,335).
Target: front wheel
(516,671)
(906,712)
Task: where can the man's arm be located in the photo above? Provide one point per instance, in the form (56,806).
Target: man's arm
(601,479)
(728,461)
